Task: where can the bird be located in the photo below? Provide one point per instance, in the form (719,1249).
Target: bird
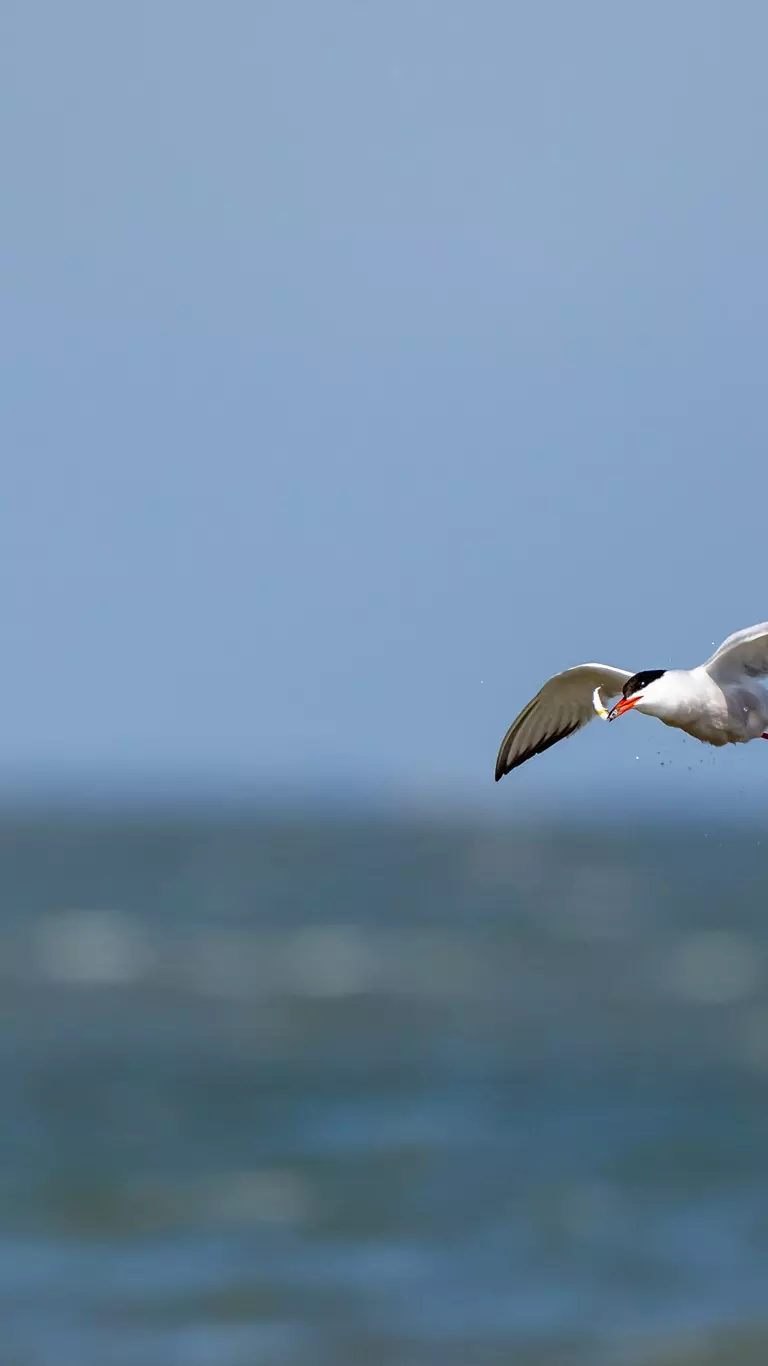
(721,702)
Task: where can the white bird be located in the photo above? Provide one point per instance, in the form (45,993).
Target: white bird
(722,702)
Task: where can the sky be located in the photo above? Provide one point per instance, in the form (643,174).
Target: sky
(363,365)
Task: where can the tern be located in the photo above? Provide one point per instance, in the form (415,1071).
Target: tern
(721,702)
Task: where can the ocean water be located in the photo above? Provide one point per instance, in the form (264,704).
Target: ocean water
(316,1092)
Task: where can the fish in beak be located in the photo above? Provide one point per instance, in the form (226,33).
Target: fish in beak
(624,704)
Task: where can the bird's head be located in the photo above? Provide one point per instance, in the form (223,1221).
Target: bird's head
(641,691)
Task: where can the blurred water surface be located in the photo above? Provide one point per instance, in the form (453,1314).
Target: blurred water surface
(313,1092)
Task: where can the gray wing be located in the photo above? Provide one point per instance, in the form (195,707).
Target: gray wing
(744,654)
(562,706)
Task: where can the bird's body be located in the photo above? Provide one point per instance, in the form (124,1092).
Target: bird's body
(691,700)
(721,702)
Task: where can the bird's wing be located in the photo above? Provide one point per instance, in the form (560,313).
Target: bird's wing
(744,654)
(562,706)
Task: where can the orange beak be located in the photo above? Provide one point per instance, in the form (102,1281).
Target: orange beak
(624,704)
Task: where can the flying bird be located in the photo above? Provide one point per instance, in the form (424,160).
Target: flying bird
(722,702)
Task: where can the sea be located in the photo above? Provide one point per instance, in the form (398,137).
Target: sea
(327,1088)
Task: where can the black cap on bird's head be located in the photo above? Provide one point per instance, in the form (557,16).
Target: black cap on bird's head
(639,681)
(633,690)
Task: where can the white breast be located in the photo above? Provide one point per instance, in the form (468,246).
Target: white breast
(726,714)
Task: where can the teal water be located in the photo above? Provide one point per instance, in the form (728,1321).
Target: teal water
(324,1092)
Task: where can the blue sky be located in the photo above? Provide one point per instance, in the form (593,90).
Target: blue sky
(364,365)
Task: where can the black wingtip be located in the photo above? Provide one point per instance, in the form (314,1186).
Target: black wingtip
(503,766)
(501,762)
